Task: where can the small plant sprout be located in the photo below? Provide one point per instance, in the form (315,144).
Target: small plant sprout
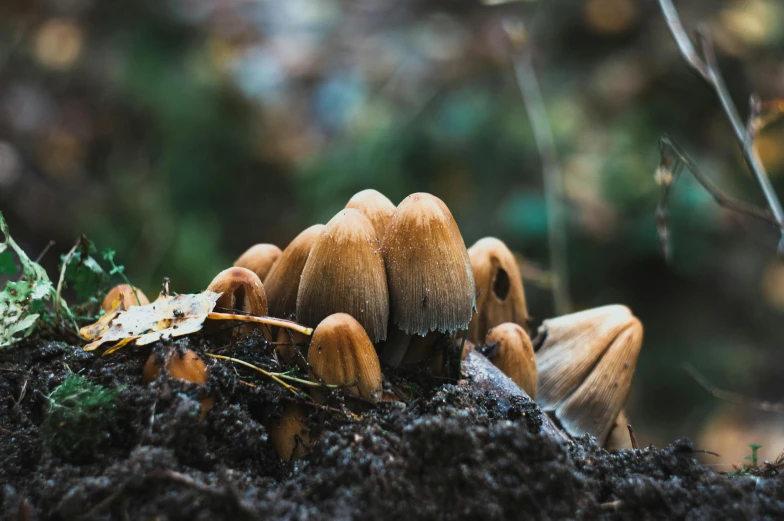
(755,447)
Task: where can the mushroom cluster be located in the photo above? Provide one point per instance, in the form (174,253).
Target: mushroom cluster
(396,284)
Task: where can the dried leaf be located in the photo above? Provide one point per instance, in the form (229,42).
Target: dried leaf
(165,318)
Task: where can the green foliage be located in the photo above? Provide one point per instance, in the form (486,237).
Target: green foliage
(753,458)
(79,418)
(83,273)
(21,301)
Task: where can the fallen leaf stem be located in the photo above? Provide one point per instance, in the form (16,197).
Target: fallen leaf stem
(270,321)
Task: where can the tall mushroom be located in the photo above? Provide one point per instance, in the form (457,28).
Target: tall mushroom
(342,354)
(282,282)
(499,287)
(259,259)
(586,362)
(431,286)
(376,207)
(345,274)
(241,290)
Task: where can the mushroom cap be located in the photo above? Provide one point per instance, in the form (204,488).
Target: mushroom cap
(376,207)
(282,282)
(241,290)
(509,348)
(619,437)
(341,353)
(186,366)
(586,364)
(259,259)
(345,274)
(499,288)
(431,286)
(122,297)
(284,431)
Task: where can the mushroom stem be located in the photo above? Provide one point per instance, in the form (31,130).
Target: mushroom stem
(299,328)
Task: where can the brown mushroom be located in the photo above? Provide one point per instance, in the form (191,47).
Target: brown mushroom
(619,437)
(123,296)
(241,290)
(431,286)
(282,282)
(509,348)
(259,259)
(342,354)
(376,207)
(186,365)
(345,274)
(586,363)
(499,288)
(289,435)
(288,342)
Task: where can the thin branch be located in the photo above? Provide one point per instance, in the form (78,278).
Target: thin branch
(707,67)
(731,396)
(528,85)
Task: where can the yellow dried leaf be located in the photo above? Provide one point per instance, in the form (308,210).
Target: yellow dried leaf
(165,318)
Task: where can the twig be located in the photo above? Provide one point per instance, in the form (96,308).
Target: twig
(553,182)
(43,252)
(672,161)
(270,321)
(731,396)
(271,376)
(707,67)
(632,437)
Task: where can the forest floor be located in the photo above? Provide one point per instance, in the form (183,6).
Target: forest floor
(454,452)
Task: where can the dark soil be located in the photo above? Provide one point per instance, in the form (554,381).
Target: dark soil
(453,453)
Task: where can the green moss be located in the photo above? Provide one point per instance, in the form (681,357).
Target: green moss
(79,418)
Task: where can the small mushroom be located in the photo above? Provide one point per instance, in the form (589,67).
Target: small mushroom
(619,437)
(288,341)
(342,354)
(376,207)
(586,362)
(431,286)
(509,348)
(345,274)
(289,435)
(259,259)
(241,290)
(282,282)
(123,296)
(499,287)
(186,365)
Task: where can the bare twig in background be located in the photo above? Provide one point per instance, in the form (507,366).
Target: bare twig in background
(673,159)
(730,396)
(551,170)
(704,63)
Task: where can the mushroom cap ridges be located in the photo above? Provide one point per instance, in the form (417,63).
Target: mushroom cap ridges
(499,286)
(341,353)
(259,259)
(282,282)
(431,285)
(241,290)
(376,207)
(345,274)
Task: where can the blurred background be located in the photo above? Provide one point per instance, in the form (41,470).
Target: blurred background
(181,132)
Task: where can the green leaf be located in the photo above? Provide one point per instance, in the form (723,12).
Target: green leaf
(83,273)
(7,263)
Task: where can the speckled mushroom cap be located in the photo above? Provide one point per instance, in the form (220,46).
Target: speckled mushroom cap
(345,274)
(431,286)
(282,282)
(259,259)
(586,364)
(376,207)
(342,354)
(499,288)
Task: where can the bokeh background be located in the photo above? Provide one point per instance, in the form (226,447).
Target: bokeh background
(180,132)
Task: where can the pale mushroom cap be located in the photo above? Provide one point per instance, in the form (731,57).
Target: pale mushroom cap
(241,290)
(345,274)
(122,297)
(514,355)
(499,288)
(282,282)
(431,285)
(376,207)
(259,259)
(586,367)
(341,353)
